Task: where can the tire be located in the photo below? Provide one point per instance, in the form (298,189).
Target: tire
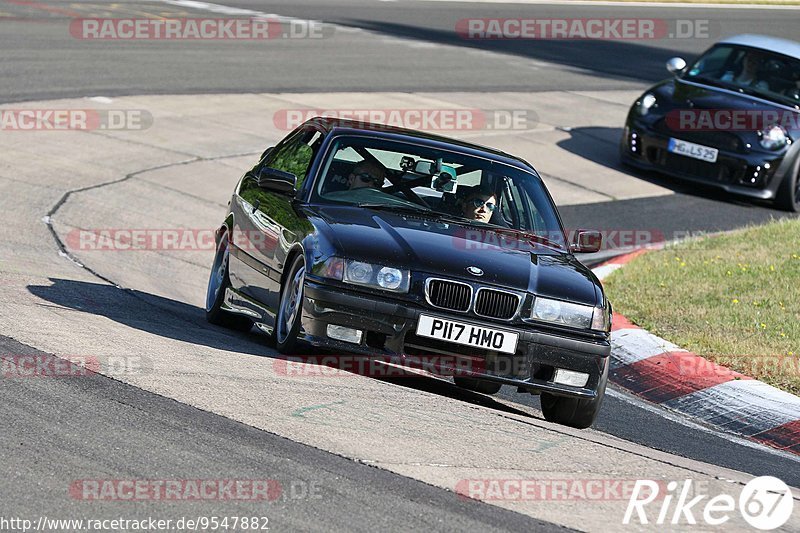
(287,323)
(574,412)
(478,385)
(788,197)
(218,282)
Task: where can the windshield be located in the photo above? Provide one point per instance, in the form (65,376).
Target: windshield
(404,177)
(753,71)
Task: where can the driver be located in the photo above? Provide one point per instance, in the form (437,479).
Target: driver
(479,204)
(750,66)
(366,174)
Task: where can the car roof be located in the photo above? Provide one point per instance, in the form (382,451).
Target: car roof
(344,126)
(765,42)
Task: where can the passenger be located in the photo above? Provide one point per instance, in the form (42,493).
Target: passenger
(366,174)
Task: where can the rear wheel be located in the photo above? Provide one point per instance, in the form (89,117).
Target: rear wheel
(218,282)
(287,324)
(478,385)
(788,197)
(574,412)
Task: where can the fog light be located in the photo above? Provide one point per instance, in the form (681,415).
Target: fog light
(570,377)
(341,333)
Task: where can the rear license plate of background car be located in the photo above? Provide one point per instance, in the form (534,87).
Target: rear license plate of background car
(467,334)
(696,151)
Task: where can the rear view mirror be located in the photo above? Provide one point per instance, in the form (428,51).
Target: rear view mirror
(275,180)
(424,167)
(587,241)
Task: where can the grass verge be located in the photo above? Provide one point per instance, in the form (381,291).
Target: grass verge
(740,2)
(734,299)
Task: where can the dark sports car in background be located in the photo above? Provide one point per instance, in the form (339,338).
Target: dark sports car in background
(730,119)
(386,242)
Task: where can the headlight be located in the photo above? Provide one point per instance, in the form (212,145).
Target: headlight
(647,101)
(358,272)
(365,274)
(390,278)
(569,314)
(773,137)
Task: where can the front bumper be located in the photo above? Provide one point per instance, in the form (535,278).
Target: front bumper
(738,170)
(390,331)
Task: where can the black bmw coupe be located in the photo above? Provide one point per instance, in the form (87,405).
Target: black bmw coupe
(730,119)
(391,243)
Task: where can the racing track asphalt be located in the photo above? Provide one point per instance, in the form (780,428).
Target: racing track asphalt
(55,429)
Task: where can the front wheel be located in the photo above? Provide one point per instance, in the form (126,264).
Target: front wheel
(287,324)
(788,197)
(574,412)
(218,283)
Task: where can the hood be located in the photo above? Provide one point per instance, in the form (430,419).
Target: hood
(676,94)
(445,249)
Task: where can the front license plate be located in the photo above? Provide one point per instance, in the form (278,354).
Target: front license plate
(467,334)
(696,151)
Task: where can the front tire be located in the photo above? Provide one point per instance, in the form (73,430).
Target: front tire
(788,197)
(290,309)
(218,283)
(574,412)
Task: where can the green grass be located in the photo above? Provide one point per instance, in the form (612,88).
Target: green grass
(746,2)
(734,299)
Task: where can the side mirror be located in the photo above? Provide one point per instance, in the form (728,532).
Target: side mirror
(272,179)
(587,241)
(676,65)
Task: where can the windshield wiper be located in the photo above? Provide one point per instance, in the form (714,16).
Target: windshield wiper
(749,90)
(397,207)
(710,81)
(530,237)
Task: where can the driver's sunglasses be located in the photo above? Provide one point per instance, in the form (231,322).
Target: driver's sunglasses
(478,203)
(366,177)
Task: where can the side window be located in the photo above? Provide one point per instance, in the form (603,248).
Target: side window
(296,154)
